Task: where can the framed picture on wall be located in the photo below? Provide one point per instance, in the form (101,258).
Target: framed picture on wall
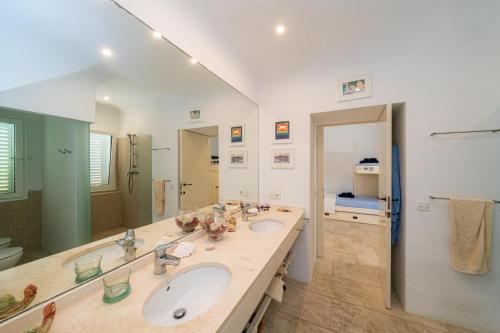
(282,131)
(283,158)
(238,135)
(354,87)
(194,116)
(238,159)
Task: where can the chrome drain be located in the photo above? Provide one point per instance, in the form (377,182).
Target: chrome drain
(179,313)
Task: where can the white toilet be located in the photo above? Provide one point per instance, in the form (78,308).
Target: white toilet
(9,256)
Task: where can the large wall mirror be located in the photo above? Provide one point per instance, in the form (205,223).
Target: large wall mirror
(105,126)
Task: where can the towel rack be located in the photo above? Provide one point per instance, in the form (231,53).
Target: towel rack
(445,198)
(494,130)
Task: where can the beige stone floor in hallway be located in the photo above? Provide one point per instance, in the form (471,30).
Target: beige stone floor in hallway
(345,295)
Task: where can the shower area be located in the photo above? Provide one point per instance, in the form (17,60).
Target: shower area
(127,201)
(45,207)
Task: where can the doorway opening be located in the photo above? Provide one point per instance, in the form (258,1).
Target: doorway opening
(353,196)
(199,166)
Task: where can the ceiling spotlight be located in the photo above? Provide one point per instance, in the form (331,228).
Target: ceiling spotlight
(194,61)
(280,29)
(106,98)
(107,52)
(157,34)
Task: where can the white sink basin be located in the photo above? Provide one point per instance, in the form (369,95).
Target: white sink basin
(110,251)
(266,226)
(186,296)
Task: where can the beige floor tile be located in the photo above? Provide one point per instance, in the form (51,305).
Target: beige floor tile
(276,321)
(324,266)
(347,317)
(362,274)
(345,294)
(304,326)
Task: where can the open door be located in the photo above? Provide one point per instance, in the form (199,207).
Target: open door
(194,161)
(320,190)
(385,203)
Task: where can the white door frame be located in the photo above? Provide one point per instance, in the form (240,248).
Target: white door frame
(365,115)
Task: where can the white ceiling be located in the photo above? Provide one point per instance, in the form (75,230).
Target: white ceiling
(51,38)
(325,32)
(316,30)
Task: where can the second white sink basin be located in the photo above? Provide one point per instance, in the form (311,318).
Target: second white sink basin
(186,296)
(266,226)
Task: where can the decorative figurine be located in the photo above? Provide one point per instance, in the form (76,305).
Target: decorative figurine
(9,305)
(49,312)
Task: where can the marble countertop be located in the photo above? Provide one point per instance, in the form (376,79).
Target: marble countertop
(52,276)
(247,254)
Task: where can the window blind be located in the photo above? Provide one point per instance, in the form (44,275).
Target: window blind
(100,154)
(7,157)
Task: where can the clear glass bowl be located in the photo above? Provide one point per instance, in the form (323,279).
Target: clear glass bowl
(188,218)
(116,286)
(215,227)
(87,269)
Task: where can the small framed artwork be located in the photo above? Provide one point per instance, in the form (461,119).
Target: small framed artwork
(238,135)
(194,116)
(283,158)
(238,159)
(282,131)
(354,87)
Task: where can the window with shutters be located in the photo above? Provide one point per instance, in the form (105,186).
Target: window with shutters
(101,161)
(11,159)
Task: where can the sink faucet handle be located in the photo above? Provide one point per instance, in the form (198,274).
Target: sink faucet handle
(160,249)
(130,234)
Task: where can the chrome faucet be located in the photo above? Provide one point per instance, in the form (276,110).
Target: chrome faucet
(162,258)
(128,245)
(244,211)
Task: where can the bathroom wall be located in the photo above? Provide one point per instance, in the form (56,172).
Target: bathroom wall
(436,62)
(344,147)
(71,95)
(108,118)
(222,107)
(21,221)
(105,211)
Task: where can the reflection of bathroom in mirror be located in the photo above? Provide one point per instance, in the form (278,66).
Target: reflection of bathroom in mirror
(91,143)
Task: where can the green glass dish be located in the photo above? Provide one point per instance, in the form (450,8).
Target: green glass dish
(87,269)
(116,286)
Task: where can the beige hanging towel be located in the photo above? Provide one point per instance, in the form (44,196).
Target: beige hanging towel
(471,235)
(159,188)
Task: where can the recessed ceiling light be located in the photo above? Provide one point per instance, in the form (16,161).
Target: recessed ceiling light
(157,34)
(107,52)
(194,61)
(106,98)
(280,29)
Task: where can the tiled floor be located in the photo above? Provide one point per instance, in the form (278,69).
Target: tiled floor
(345,294)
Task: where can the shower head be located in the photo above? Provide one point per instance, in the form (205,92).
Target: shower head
(132,139)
